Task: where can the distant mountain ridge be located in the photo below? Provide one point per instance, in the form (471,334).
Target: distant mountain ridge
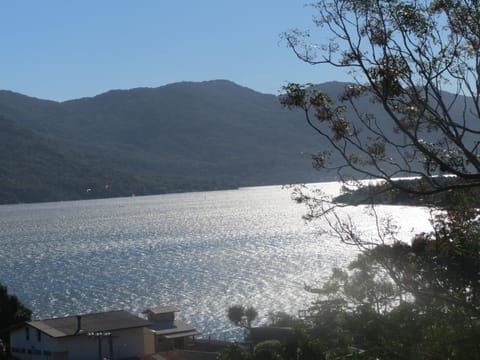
(179,137)
(185,136)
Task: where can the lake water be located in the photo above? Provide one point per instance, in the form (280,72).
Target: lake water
(200,251)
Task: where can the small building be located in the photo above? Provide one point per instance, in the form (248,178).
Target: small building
(167,333)
(111,335)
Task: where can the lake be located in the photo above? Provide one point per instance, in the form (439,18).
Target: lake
(201,251)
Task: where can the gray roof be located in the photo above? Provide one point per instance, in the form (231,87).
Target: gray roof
(175,328)
(106,321)
(162,309)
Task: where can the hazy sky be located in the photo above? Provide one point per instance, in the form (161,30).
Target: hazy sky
(65,49)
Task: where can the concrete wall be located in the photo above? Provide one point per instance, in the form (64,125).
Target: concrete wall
(129,343)
(149,341)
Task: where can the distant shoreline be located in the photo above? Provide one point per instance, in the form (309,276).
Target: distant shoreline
(383,194)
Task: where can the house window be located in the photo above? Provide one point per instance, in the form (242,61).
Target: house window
(39,335)
(27,333)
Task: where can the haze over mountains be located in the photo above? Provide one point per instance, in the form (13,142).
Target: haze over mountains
(179,137)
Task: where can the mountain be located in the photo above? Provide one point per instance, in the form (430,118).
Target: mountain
(34,168)
(179,137)
(184,136)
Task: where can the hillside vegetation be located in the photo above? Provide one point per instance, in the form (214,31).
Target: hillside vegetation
(179,137)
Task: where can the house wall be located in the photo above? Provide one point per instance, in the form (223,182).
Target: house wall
(129,343)
(83,347)
(160,317)
(125,344)
(33,348)
(149,339)
(162,344)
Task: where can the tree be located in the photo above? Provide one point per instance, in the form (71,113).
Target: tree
(281,319)
(424,314)
(234,352)
(242,316)
(268,350)
(12,312)
(398,300)
(403,55)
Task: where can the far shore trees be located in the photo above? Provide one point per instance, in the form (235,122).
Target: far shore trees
(420,61)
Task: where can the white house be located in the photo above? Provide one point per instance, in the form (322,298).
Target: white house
(111,335)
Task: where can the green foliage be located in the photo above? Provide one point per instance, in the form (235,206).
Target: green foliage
(12,312)
(282,319)
(399,300)
(403,55)
(413,192)
(146,141)
(3,351)
(35,168)
(242,316)
(268,350)
(234,352)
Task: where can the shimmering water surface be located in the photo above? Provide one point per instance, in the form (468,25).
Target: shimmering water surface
(201,251)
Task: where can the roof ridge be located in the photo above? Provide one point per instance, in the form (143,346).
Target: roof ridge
(74,316)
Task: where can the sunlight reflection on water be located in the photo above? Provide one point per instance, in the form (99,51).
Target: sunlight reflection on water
(201,251)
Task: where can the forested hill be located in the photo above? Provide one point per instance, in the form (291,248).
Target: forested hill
(179,137)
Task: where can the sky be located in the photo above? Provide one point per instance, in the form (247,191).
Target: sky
(67,49)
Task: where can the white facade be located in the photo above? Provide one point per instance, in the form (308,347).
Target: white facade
(28,343)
